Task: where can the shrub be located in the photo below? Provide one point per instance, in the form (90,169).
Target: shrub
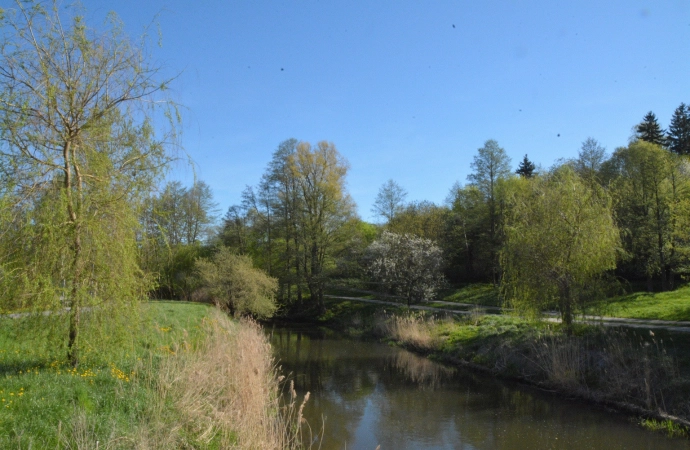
(231,282)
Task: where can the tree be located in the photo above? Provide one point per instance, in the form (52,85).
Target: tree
(678,138)
(647,181)
(560,236)
(324,208)
(589,159)
(465,244)
(649,130)
(389,200)
(491,164)
(178,223)
(231,282)
(77,139)
(423,219)
(526,168)
(199,213)
(408,265)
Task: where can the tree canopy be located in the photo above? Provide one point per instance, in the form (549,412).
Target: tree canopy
(79,151)
(560,235)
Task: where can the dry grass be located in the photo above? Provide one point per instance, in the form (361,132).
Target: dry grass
(223,394)
(411,330)
(226,393)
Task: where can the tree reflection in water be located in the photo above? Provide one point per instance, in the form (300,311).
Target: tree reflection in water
(367,394)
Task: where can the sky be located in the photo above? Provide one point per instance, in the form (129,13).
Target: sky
(406,90)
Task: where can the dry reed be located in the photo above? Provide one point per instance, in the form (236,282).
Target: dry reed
(223,394)
(227,392)
(411,330)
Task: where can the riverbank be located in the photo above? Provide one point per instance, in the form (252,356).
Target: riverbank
(632,370)
(188,378)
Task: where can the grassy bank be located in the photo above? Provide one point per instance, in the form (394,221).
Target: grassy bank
(634,370)
(673,305)
(188,378)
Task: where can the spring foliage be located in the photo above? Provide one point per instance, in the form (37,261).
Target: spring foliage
(560,236)
(231,282)
(77,153)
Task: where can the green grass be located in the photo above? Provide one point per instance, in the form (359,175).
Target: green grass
(673,305)
(478,293)
(667,427)
(44,403)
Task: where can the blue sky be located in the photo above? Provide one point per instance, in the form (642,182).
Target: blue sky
(409,90)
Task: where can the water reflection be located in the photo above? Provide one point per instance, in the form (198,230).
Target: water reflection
(371,394)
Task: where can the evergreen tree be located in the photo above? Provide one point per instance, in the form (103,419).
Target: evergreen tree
(649,130)
(526,168)
(679,131)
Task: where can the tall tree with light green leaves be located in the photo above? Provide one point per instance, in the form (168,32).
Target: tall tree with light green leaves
(560,236)
(590,159)
(648,183)
(325,210)
(78,143)
(491,164)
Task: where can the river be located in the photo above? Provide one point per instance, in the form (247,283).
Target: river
(365,394)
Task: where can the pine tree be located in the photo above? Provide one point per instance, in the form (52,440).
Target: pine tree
(526,168)
(649,130)
(679,131)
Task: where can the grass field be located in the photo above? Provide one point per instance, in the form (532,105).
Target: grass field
(673,305)
(173,385)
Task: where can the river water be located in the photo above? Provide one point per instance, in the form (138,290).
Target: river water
(365,394)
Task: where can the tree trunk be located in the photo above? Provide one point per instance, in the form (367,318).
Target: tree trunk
(566,308)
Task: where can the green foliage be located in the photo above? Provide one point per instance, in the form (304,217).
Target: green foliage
(560,236)
(78,157)
(299,223)
(651,192)
(667,426)
(477,294)
(423,219)
(231,282)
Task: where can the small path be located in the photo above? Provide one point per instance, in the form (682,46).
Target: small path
(651,324)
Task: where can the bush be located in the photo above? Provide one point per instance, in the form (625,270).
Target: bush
(231,282)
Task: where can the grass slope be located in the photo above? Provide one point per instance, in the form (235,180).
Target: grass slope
(42,399)
(186,377)
(673,305)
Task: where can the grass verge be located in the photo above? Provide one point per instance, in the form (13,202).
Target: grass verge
(189,378)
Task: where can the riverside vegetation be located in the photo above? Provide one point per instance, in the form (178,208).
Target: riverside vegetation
(88,230)
(636,371)
(189,378)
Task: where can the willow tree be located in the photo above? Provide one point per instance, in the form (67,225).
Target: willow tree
(78,144)
(560,236)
